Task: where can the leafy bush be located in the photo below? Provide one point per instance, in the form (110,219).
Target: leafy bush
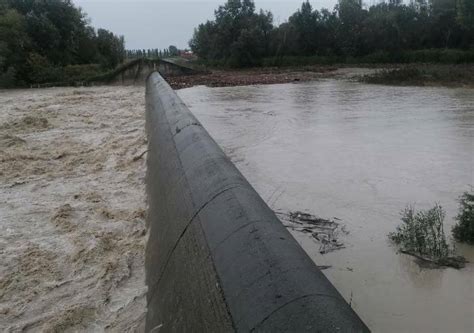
(446,56)
(449,56)
(422,233)
(8,78)
(41,70)
(422,74)
(301,60)
(75,73)
(463,231)
(379,57)
(395,76)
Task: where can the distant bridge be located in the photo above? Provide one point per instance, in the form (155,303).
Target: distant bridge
(130,73)
(136,71)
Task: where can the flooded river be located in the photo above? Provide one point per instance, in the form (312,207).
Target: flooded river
(359,153)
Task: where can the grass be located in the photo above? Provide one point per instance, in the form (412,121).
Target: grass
(424,74)
(434,56)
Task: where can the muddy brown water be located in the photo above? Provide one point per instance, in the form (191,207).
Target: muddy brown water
(359,153)
(72,210)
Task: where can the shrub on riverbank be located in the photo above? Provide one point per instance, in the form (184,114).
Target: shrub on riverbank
(431,56)
(463,231)
(422,233)
(295,61)
(424,74)
(434,56)
(71,75)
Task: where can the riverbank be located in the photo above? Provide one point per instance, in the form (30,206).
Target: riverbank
(424,75)
(415,75)
(252,76)
(72,209)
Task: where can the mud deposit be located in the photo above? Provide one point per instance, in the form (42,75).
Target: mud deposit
(230,78)
(72,209)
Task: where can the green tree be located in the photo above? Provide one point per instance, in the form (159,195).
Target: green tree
(14,43)
(306,24)
(238,36)
(40,69)
(465,13)
(111,48)
(87,48)
(39,38)
(173,50)
(350,30)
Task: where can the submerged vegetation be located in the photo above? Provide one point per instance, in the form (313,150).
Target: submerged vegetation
(391,31)
(422,235)
(422,232)
(51,41)
(463,231)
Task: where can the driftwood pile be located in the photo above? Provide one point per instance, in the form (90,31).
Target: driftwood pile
(456,262)
(323,231)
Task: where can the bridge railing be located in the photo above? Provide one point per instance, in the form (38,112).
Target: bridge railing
(217,257)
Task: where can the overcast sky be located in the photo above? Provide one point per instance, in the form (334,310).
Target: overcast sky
(161,23)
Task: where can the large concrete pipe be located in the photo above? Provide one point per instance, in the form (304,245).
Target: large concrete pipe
(217,258)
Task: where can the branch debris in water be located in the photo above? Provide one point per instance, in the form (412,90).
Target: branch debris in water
(325,232)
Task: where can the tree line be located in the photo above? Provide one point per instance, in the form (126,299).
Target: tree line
(171,51)
(390,31)
(51,41)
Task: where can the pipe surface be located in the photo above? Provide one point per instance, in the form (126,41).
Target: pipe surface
(217,257)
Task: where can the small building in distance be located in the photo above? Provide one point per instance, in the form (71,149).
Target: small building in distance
(187,54)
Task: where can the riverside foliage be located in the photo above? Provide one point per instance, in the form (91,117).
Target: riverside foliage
(387,32)
(463,231)
(50,40)
(422,233)
(424,74)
